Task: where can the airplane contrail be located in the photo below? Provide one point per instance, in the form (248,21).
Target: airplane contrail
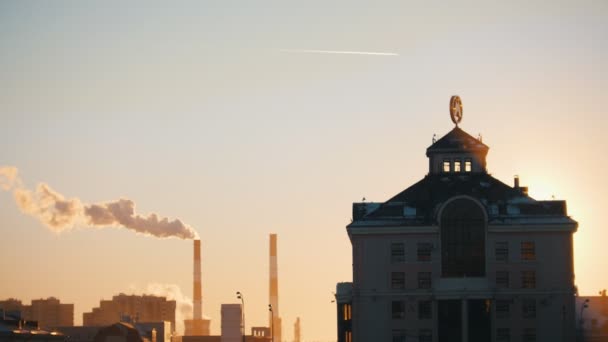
(339,52)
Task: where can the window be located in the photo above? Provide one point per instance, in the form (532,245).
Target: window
(529,335)
(397,252)
(425,335)
(502,279)
(528,279)
(398,309)
(423,252)
(348,336)
(425,309)
(399,335)
(467,165)
(501,251)
(528,308)
(457,166)
(463,239)
(528,251)
(397,280)
(347,312)
(503,308)
(503,335)
(446,165)
(424,280)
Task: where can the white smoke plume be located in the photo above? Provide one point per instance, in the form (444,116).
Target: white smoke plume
(60,214)
(183,307)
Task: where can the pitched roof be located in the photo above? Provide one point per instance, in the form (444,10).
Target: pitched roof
(456,140)
(423,198)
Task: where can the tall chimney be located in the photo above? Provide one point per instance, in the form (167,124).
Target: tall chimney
(274,291)
(197,294)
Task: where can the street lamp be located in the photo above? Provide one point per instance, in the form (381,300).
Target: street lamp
(584,305)
(271,321)
(240,296)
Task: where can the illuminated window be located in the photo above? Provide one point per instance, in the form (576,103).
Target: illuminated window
(528,250)
(425,309)
(528,308)
(467,165)
(457,166)
(425,335)
(528,279)
(398,309)
(423,252)
(348,336)
(347,312)
(502,279)
(503,335)
(397,280)
(503,308)
(424,280)
(399,335)
(446,165)
(501,251)
(397,252)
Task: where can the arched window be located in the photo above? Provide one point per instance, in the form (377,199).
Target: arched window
(463,239)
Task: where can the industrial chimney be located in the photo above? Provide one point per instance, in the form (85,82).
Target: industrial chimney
(274,318)
(197,294)
(197,326)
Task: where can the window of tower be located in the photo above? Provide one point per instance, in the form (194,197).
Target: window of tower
(467,165)
(446,165)
(457,166)
(462,239)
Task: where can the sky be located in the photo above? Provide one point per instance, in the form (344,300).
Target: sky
(227,116)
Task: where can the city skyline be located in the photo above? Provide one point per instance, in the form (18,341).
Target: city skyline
(208,113)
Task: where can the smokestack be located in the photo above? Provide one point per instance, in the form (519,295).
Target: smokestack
(197,290)
(274,290)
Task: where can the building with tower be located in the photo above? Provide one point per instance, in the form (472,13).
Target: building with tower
(459,256)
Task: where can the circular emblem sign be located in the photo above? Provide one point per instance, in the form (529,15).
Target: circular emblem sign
(456,109)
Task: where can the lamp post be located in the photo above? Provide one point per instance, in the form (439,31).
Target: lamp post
(271,321)
(240,296)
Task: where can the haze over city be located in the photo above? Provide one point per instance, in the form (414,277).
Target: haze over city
(241,119)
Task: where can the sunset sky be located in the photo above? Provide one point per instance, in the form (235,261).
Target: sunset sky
(230,117)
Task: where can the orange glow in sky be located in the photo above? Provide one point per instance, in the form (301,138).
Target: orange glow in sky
(198,111)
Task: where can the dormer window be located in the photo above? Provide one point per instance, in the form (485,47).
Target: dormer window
(446,165)
(457,166)
(467,165)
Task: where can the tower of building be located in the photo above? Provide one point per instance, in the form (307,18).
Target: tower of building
(197,326)
(274,317)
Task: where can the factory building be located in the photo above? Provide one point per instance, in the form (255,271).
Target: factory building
(459,256)
(138,308)
(232,323)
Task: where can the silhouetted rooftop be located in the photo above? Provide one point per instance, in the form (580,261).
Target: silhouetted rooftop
(456,140)
(419,204)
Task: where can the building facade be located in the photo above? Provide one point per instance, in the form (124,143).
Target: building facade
(232,323)
(460,257)
(139,308)
(49,313)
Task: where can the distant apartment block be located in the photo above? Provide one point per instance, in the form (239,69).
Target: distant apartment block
(139,308)
(48,312)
